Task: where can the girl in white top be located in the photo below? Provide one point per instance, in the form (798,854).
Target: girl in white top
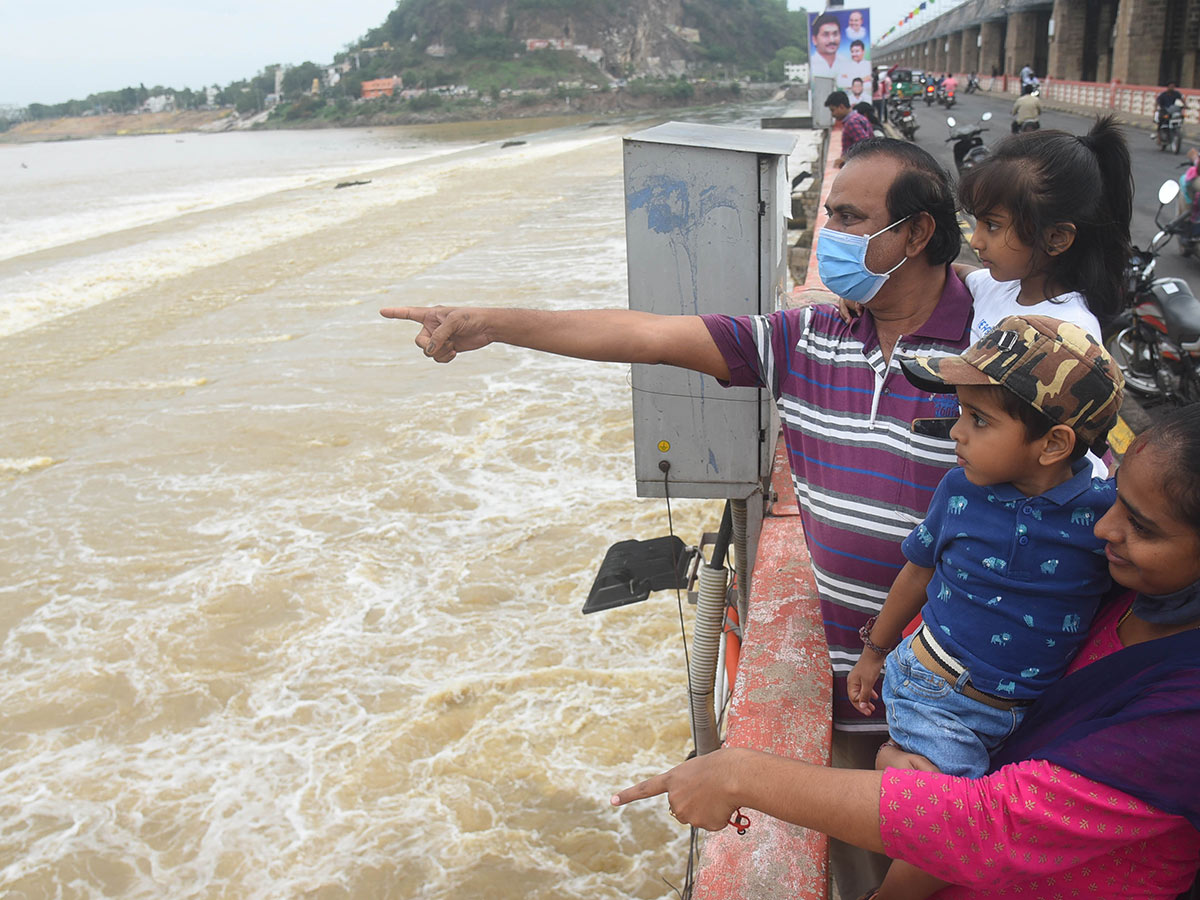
(1052,217)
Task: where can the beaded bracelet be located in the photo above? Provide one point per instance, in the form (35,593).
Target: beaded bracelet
(865,634)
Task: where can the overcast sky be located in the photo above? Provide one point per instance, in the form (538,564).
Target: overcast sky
(64,50)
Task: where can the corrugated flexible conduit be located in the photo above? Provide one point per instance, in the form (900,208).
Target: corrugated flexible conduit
(706,641)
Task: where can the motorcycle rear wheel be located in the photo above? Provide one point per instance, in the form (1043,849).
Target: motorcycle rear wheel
(1176,142)
(1136,359)
(1189,387)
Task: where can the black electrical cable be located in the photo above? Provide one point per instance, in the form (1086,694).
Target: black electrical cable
(665,467)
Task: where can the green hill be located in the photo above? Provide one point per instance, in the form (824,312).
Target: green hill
(507,52)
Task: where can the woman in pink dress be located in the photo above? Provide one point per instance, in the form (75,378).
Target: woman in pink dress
(1097,794)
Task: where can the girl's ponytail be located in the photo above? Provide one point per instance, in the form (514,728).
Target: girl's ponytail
(1116,189)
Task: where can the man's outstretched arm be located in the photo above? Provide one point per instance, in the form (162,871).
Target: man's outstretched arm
(610,335)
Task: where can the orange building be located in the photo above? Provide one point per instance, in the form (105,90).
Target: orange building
(381,87)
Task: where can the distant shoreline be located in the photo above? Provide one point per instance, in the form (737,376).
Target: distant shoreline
(86,127)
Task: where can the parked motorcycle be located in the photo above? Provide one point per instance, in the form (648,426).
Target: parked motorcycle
(972,84)
(1156,341)
(969,149)
(901,114)
(1169,132)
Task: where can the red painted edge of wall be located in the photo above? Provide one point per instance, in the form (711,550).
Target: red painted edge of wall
(781,704)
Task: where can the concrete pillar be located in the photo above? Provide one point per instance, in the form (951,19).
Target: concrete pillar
(1189,76)
(1105,20)
(1138,49)
(1069,41)
(1020,43)
(970,49)
(991,47)
(954,56)
(930,55)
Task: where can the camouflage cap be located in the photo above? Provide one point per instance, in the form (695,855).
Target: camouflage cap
(1056,367)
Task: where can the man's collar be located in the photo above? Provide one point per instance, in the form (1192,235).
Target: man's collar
(950,320)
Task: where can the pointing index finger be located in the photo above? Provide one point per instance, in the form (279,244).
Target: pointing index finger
(648,788)
(412,313)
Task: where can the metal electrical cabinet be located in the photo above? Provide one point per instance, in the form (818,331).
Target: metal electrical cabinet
(705,210)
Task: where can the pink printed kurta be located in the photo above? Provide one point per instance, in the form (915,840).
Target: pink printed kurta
(1036,831)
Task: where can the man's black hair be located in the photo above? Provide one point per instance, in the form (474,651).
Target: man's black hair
(857,41)
(824,19)
(921,185)
(837,98)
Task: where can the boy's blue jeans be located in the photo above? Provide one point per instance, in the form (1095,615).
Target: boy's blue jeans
(927,714)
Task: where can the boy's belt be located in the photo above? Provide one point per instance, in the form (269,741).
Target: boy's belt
(931,655)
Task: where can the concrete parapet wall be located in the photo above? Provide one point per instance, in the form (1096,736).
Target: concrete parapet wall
(782,704)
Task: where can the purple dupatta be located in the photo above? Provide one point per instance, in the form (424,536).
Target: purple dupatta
(1130,720)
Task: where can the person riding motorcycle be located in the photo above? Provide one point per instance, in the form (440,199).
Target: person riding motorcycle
(1026,111)
(1162,107)
(1170,96)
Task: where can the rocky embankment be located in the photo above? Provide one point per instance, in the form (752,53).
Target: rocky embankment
(78,127)
(598,103)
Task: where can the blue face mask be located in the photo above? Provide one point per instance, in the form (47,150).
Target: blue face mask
(1178,608)
(842,263)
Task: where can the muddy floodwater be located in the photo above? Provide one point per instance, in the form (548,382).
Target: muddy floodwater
(287,610)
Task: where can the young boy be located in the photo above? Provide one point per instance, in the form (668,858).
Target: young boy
(1005,570)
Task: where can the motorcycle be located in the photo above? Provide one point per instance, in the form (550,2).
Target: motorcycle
(969,149)
(930,93)
(945,96)
(901,114)
(1169,132)
(972,84)
(1156,341)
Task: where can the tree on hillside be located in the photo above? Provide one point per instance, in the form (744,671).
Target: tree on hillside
(790,54)
(299,79)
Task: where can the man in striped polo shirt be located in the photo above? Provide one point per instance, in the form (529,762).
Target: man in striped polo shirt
(866,449)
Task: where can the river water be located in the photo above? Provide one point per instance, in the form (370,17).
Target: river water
(286,610)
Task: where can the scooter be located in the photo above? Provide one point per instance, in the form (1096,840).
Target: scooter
(969,149)
(901,114)
(1156,341)
(1170,127)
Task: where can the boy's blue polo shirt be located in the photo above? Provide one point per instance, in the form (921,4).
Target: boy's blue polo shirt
(1016,579)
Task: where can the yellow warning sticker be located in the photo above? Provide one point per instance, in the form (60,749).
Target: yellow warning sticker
(664,446)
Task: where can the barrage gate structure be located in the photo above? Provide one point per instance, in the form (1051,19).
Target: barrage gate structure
(1098,42)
